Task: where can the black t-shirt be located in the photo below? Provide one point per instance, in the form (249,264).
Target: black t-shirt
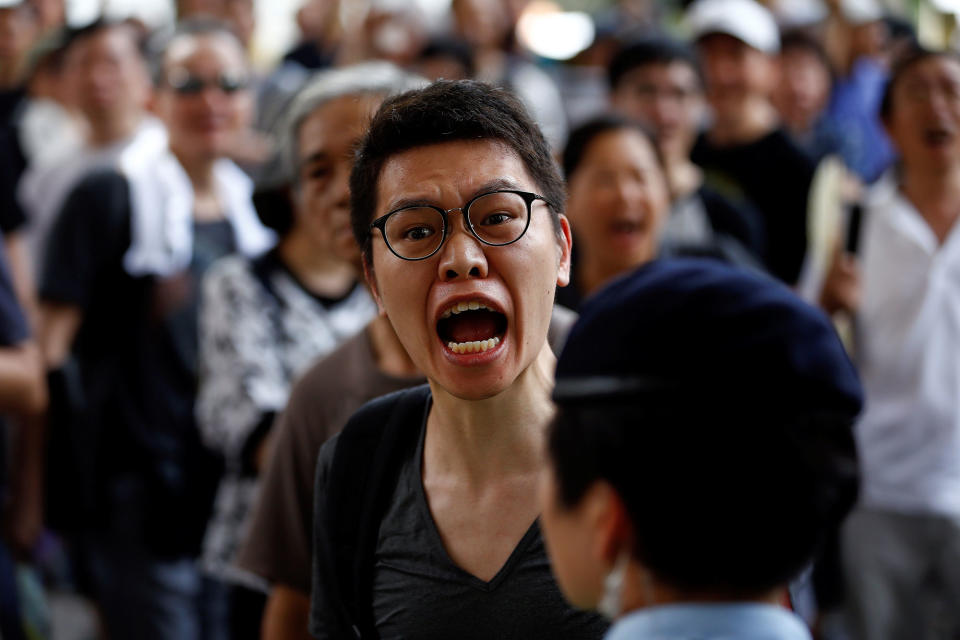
(13,163)
(771,175)
(136,351)
(418,592)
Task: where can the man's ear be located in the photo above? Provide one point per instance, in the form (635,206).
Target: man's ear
(607,516)
(371,278)
(565,247)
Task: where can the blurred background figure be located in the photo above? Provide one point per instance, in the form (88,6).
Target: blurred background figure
(657,81)
(447,59)
(901,546)
(802,95)
(120,288)
(105,68)
(618,203)
(264,321)
(488,27)
(746,153)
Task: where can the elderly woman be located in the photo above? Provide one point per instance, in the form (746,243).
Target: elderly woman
(264,321)
(701,452)
(426,522)
(619,202)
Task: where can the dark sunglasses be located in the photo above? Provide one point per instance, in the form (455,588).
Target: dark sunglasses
(187,84)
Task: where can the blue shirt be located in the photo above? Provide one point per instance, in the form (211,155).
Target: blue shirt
(734,621)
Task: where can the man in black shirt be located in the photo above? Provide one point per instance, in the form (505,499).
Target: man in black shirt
(746,154)
(119,298)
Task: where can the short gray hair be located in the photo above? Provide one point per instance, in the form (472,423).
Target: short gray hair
(366,78)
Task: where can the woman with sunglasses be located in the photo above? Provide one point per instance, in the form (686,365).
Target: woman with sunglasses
(457,205)
(119,295)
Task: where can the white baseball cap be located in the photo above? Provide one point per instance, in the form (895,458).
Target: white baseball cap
(745,20)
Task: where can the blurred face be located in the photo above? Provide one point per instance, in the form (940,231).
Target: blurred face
(668,99)
(803,90)
(482,23)
(239,15)
(618,201)
(734,72)
(325,144)
(468,292)
(18,29)
(203,98)
(924,120)
(108,74)
(570,538)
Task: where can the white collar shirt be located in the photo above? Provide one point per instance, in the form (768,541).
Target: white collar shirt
(908,351)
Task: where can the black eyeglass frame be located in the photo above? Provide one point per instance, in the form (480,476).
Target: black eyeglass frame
(528,198)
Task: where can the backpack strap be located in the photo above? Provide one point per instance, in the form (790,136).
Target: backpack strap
(366,463)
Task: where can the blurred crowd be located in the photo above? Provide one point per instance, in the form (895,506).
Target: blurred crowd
(185,318)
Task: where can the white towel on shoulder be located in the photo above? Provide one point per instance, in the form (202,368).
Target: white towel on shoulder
(161,200)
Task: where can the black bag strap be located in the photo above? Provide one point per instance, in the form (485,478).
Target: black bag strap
(366,463)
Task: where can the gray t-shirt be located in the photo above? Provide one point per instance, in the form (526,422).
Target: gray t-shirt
(418,591)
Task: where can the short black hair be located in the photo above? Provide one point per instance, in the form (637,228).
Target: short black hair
(580,139)
(800,40)
(737,511)
(73,35)
(902,65)
(650,50)
(448,111)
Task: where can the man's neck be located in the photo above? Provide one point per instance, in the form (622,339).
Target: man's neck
(936,195)
(683,177)
(755,119)
(481,441)
(111,130)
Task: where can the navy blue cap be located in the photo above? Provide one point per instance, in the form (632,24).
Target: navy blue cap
(707,331)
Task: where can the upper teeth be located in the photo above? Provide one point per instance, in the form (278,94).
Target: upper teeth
(460,307)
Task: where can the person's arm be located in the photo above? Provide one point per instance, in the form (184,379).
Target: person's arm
(58,326)
(286,615)
(21,271)
(23,388)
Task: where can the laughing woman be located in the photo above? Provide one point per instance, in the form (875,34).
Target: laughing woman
(426,521)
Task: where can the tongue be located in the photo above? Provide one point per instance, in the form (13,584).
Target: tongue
(472,326)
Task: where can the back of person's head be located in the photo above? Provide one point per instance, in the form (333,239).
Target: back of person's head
(449,111)
(376,79)
(658,50)
(719,408)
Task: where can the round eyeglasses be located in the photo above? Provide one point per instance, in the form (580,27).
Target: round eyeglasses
(497,218)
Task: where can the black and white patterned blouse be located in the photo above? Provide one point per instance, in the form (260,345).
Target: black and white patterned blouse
(259,329)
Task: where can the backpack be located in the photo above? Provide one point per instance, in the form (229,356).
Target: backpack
(366,463)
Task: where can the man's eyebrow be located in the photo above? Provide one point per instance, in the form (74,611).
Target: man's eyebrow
(486,187)
(316,156)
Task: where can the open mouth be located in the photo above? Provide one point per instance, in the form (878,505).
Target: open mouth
(471,327)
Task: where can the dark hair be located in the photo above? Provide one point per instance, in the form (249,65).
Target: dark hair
(799,40)
(447,111)
(902,65)
(655,50)
(580,139)
(73,35)
(720,501)
(452,48)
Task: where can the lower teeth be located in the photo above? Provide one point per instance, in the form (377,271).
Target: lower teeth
(477,346)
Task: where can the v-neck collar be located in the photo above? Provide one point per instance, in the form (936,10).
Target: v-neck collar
(531,535)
